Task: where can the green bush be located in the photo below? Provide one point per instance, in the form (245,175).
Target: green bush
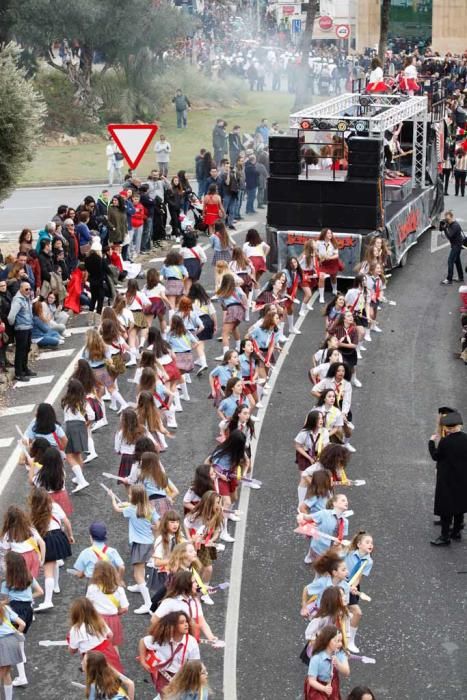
(58,93)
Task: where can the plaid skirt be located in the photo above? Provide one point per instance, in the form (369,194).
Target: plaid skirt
(10,652)
(185,362)
(126,462)
(114,622)
(162,504)
(63,500)
(77,434)
(140,320)
(157,307)
(172,370)
(174,288)
(103,377)
(235,313)
(222,255)
(33,563)
(141,553)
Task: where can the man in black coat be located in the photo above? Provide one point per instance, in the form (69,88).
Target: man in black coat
(451,478)
(453,232)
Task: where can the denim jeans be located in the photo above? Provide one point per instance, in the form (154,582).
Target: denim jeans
(230,202)
(238,204)
(250,200)
(455,259)
(136,241)
(181,119)
(147,235)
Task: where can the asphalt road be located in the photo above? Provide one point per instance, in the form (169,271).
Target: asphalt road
(415,624)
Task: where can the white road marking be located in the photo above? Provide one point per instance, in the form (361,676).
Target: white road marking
(233,604)
(79,329)
(36,381)
(52,396)
(13,410)
(435,245)
(56,353)
(6,442)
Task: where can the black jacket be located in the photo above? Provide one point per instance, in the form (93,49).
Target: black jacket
(454,234)
(451,474)
(47,266)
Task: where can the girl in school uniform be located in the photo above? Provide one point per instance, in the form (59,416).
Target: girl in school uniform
(102,681)
(98,354)
(109,599)
(359,563)
(241,267)
(249,371)
(51,477)
(334,310)
(232,399)
(294,275)
(94,392)
(182,344)
(88,632)
(138,303)
(142,525)
(174,274)
(194,258)
(333,459)
(220,375)
(377,250)
(148,359)
(375,285)
(338,428)
(163,398)
(18,535)
(338,378)
(155,291)
(346,332)
(45,425)
(230,462)
(169,535)
(183,557)
(20,588)
(203,525)
(190,681)
(167,647)
(309,265)
(357,300)
(77,414)
(318,373)
(52,524)
(151,474)
(317,494)
(182,596)
(234,304)
(329,263)
(206,311)
(11,627)
(329,521)
(221,243)
(330,570)
(35,457)
(117,349)
(329,343)
(150,418)
(125,440)
(242,420)
(328,659)
(256,251)
(265,339)
(332,611)
(205,479)
(193,323)
(167,359)
(310,441)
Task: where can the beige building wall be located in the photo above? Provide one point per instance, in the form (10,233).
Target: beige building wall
(449,25)
(368,23)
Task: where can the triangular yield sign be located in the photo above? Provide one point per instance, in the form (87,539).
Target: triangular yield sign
(132,140)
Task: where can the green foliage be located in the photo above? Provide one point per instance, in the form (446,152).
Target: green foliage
(21,119)
(62,112)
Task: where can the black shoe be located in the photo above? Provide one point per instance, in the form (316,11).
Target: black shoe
(440,542)
(461,280)
(446,282)
(436,522)
(30,373)
(23,378)
(456,535)
(232,228)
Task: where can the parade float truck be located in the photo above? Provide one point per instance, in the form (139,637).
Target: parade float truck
(361,165)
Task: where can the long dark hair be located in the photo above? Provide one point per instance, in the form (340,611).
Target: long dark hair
(234,447)
(202,481)
(85,374)
(51,476)
(46,419)
(198,293)
(312,420)
(323,638)
(159,345)
(335,366)
(233,422)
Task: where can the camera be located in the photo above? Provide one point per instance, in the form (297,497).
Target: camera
(443,224)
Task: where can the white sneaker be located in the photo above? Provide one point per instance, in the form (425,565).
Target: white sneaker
(234,518)
(296,331)
(359,355)
(207,599)
(367,337)
(310,306)
(352,648)
(74,479)
(225,537)
(350,447)
(377,329)
(43,606)
(134,588)
(143,610)
(106,396)
(302,312)
(220,547)
(362,348)
(255,419)
(321,301)
(57,589)
(308,558)
(259,405)
(131,363)
(202,369)
(60,562)
(90,457)
(219,357)
(356,382)
(172,423)
(80,487)
(20,681)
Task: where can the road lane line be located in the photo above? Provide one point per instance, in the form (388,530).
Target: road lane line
(36,381)
(6,442)
(236,568)
(54,393)
(56,353)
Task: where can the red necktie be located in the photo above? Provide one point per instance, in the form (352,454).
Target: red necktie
(340,528)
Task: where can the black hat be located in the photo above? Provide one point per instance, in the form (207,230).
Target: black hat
(451,420)
(444,410)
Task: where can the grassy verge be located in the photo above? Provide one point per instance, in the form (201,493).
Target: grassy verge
(88,162)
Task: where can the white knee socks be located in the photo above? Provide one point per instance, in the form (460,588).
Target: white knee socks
(78,472)
(184,392)
(143,589)
(290,321)
(49,589)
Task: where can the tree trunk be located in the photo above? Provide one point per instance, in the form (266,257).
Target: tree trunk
(303,72)
(384,29)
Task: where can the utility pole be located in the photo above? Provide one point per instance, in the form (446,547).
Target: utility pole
(301,89)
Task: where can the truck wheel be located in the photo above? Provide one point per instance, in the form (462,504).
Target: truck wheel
(403,260)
